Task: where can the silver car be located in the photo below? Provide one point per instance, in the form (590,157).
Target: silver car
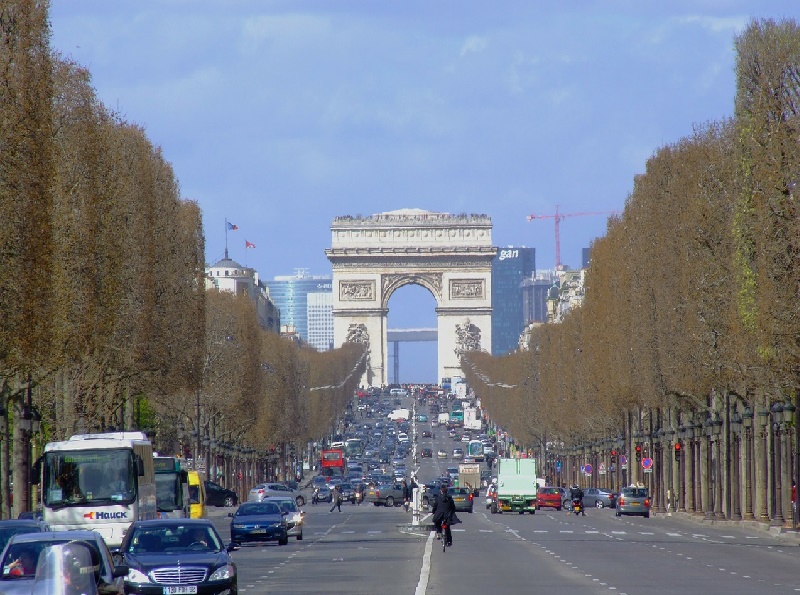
(294,516)
(267,490)
(633,500)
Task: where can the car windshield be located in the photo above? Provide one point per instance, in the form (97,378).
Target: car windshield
(20,559)
(258,509)
(549,491)
(7,532)
(155,538)
(287,505)
(635,492)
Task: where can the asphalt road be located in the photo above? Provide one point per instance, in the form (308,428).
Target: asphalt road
(363,550)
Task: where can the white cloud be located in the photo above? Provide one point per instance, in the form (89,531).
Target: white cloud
(474,44)
(728,25)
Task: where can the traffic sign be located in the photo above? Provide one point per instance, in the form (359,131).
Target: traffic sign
(623,461)
(647,463)
(601,469)
(587,469)
(558,465)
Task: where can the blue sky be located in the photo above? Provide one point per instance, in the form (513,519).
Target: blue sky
(281,115)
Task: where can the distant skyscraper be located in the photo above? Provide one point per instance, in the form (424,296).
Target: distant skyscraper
(320,320)
(534,297)
(586,255)
(510,268)
(303,304)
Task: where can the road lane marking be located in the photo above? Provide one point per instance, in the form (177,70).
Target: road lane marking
(425,571)
(674,535)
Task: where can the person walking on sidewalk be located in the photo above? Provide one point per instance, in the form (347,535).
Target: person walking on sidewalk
(336,498)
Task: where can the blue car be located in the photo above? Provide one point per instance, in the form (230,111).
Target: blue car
(259,521)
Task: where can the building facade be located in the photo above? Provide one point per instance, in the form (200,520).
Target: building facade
(306,305)
(534,296)
(510,268)
(229,275)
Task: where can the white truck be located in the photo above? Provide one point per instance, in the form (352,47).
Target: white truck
(472,419)
(399,414)
(516,486)
(444,418)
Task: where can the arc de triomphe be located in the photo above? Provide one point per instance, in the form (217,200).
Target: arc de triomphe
(449,255)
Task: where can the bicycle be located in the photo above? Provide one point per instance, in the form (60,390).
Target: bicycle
(445,524)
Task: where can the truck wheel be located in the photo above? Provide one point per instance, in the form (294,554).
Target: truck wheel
(389,501)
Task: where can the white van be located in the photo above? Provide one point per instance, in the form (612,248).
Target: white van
(398,392)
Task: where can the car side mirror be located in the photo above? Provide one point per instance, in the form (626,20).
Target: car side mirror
(120,570)
(231,547)
(230,514)
(284,513)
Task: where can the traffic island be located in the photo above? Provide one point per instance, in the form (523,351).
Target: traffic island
(419,530)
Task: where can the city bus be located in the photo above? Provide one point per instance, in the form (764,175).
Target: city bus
(172,488)
(332,464)
(475,450)
(456,418)
(354,449)
(100,482)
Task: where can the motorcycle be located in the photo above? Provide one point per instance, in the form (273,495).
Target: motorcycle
(577,505)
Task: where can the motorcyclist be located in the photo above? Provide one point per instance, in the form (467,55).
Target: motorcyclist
(576,493)
(444,509)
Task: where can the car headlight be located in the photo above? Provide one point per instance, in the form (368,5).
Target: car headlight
(223,572)
(276,525)
(297,518)
(136,576)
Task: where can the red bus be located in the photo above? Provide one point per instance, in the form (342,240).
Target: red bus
(332,463)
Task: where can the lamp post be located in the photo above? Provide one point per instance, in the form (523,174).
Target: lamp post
(763,459)
(736,484)
(708,505)
(777,425)
(716,428)
(789,421)
(747,422)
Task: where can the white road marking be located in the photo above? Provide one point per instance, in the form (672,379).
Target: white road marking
(425,571)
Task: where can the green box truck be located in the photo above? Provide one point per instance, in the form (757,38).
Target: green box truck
(516,486)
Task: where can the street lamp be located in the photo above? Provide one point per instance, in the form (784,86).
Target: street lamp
(747,422)
(777,424)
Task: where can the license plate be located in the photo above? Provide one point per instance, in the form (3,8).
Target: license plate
(635,503)
(258,531)
(458,499)
(188,590)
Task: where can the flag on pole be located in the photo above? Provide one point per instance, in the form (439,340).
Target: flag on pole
(249,244)
(231,226)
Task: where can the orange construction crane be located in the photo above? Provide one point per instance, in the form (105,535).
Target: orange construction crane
(557,217)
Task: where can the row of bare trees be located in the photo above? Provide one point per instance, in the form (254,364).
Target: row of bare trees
(695,289)
(105,318)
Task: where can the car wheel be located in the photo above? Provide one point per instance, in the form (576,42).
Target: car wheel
(283,541)
(599,504)
(389,501)
(647,515)
(377,503)
(300,501)
(229,501)
(300,537)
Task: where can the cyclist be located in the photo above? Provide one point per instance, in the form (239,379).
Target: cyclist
(443,510)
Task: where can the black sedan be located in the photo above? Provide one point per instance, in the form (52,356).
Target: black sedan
(177,556)
(259,521)
(216,495)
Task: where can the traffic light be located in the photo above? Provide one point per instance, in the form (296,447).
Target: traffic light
(677,451)
(613,456)
(638,452)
